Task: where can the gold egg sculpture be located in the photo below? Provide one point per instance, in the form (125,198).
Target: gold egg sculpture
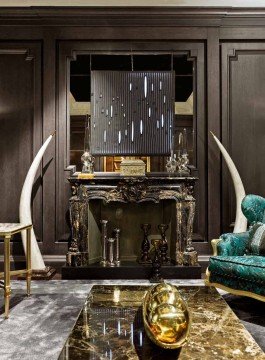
(166,316)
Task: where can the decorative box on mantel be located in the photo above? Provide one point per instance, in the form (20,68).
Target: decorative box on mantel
(128,192)
(132,167)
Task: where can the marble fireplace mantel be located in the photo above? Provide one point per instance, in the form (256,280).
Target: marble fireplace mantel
(112,187)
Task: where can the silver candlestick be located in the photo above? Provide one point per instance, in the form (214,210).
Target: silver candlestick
(117,232)
(104,242)
(110,261)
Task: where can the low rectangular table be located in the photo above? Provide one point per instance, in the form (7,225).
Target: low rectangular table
(110,326)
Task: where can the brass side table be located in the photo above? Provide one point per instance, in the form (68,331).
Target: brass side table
(7,230)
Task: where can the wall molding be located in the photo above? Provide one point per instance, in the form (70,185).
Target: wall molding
(133,16)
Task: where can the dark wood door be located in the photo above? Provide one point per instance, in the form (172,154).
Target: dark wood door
(243,120)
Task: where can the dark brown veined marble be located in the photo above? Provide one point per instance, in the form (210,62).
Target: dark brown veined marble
(110,327)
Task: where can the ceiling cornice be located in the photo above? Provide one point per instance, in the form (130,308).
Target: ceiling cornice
(137,16)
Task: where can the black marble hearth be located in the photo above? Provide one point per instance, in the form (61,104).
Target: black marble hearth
(130,270)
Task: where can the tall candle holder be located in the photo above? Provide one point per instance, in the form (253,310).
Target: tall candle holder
(117,232)
(104,240)
(87,158)
(110,253)
(163,243)
(156,276)
(145,258)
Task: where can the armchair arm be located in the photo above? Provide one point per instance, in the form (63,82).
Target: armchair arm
(253,207)
(232,244)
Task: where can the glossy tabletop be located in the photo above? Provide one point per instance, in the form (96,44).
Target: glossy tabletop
(110,327)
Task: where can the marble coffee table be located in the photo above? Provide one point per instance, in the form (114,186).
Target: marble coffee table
(110,327)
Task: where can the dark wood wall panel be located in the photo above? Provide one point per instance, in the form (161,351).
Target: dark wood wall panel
(16,128)
(20,127)
(213,124)
(243,121)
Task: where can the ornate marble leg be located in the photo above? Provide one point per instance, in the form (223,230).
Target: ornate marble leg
(73,250)
(185,253)
(180,246)
(190,256)
(84,231)
(78,254)
(191,212)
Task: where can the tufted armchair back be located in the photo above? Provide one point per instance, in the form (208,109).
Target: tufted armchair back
(253,207)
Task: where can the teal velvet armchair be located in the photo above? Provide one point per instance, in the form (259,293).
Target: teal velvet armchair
(233,267)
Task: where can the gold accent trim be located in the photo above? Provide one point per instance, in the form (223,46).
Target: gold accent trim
(148,164)
(118,159)
(85,176)
(13,273)
(214,243)
(230,290)
(7,233)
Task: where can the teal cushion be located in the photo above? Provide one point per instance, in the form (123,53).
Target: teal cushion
(238,284)
(248,268)
(256,244)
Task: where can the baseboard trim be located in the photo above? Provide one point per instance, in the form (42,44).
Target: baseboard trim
(62,258)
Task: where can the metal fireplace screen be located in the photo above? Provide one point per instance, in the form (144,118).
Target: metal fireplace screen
(132,112)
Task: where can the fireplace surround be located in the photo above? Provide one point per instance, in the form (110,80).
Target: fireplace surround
(84,255)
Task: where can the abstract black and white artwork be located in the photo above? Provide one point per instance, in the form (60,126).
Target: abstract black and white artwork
(132,112)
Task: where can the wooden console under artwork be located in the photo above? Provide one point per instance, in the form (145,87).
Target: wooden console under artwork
(128,203)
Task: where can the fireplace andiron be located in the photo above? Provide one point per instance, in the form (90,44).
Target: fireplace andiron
(110,246)
(163,246)
(145,258)
(156,276)
(104,240)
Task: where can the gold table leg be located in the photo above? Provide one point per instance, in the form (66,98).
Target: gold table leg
(7,287)
(28,257)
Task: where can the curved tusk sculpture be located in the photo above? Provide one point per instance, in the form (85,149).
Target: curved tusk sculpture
(37,262)
(241,221)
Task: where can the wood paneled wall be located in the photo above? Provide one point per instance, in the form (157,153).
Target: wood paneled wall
(243,119)
(36,46)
